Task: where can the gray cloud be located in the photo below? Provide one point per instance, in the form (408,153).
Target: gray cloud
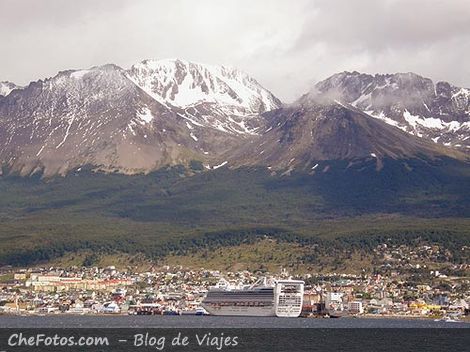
(287,45)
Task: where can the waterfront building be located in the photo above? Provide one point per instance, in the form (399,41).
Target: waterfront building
(355,307)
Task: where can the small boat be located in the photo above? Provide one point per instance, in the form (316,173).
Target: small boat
(197,311)
(448,319)
(111,308)
(338,313)
(201,311)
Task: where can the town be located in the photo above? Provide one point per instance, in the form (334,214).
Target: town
(404,289)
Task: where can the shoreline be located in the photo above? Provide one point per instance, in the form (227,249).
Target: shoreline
(465,319)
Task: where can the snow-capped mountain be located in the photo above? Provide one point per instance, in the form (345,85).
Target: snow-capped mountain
(6,87)
(357,117)
(114,119)
(170,112)
(75,118)
(309,133)
(437,111)
(212,96)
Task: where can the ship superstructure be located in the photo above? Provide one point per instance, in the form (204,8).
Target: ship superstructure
(289,296)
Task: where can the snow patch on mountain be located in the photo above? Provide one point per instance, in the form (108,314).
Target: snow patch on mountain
(7,87)
(434,123)
(215,167)
(462,92)
(381,116)
(415,124)
(413,120)
(145,115)
(79,74)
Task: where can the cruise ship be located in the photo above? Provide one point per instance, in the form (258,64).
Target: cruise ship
(281,298)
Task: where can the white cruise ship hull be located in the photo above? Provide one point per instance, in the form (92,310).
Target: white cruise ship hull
(241,311)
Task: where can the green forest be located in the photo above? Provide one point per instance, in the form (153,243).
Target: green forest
(176,210)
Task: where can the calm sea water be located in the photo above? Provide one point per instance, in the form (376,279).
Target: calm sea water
(126,333)
(188,321)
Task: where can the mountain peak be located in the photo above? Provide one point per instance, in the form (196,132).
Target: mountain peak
(438,112)
(185,84)
(301,136)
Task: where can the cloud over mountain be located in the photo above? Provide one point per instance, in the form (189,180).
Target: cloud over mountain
(304,41)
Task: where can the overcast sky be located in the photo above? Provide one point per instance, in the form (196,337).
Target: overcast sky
(287,45)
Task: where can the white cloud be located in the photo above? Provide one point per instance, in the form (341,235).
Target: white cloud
(286,45)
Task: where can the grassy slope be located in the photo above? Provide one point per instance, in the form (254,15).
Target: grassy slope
(266,254)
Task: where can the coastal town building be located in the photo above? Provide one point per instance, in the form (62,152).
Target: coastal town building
(178,290)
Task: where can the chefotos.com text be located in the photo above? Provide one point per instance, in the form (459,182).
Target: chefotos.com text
(18,339)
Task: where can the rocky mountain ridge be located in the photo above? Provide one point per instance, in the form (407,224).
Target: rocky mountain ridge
(110,118)
(171,112)
(211,96)
(435,111)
